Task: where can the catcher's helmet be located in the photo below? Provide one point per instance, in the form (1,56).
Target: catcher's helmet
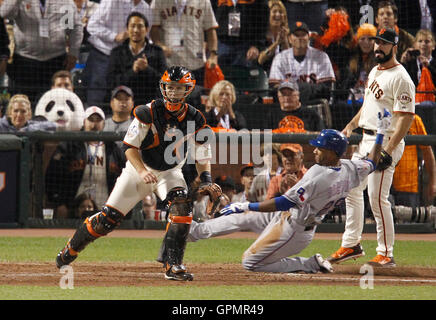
(332,140)
(178,76)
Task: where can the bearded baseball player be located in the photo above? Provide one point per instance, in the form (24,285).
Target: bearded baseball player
(287,223)
(154,164)
(389,86)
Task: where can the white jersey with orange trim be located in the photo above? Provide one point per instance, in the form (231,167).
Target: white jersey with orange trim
(136,133)
(153,138)
(315,68)
(183,24)
(393,89)
(390,89)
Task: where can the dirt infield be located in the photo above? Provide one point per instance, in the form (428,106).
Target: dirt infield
(151,273)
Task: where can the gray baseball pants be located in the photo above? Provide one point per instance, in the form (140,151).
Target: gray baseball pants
(280,237)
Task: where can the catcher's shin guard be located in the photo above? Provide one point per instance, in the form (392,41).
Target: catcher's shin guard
(92,228)
(174,243)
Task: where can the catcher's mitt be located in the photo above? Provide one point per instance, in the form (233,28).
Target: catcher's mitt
(213,208)
(384,162)
(214,191)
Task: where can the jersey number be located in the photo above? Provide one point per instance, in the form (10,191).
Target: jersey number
(329,206)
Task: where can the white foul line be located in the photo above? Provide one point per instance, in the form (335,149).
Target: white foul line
(358,279)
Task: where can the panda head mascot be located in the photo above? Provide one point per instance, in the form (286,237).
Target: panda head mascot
(62,107)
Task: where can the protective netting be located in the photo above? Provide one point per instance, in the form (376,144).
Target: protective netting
(67,56)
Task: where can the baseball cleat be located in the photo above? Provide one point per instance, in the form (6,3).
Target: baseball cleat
(344,254)
(178,273)
(325,266)
(382,261)
(64,258)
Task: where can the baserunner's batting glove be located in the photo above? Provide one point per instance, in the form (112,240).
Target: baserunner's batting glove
(237,207)
(383,122)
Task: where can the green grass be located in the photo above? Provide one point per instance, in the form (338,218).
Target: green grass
(38,249)
(261,292)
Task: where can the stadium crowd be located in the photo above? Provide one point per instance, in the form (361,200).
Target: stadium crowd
(111,54)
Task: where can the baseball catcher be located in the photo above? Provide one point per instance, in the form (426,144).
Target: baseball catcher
(155,145)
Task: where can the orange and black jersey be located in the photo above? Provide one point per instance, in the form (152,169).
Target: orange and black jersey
(166,143)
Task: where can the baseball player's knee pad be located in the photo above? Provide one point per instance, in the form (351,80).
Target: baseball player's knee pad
(81,238)
(94,227)
(179,205)
(104,222)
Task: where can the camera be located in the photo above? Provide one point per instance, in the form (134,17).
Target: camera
(415,214)
(415,53)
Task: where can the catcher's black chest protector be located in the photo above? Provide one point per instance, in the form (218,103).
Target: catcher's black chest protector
(165,130)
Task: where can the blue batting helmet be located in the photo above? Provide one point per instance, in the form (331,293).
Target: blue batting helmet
(332,140)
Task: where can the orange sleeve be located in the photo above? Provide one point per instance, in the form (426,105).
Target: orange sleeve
(418,128)
(273,188)
(406,172)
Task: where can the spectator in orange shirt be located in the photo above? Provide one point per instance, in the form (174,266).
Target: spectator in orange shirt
(293,170)
(405,184)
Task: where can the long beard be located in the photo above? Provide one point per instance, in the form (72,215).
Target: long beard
(385,58)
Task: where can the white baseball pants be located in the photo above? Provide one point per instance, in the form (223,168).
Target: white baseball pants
(379,185)
(129,188)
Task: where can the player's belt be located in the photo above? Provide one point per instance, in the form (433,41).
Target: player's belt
(308,228)
(369,132)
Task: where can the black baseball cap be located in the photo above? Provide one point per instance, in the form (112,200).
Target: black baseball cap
(122,88)
(245,168)
(387,35)
(299,26)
